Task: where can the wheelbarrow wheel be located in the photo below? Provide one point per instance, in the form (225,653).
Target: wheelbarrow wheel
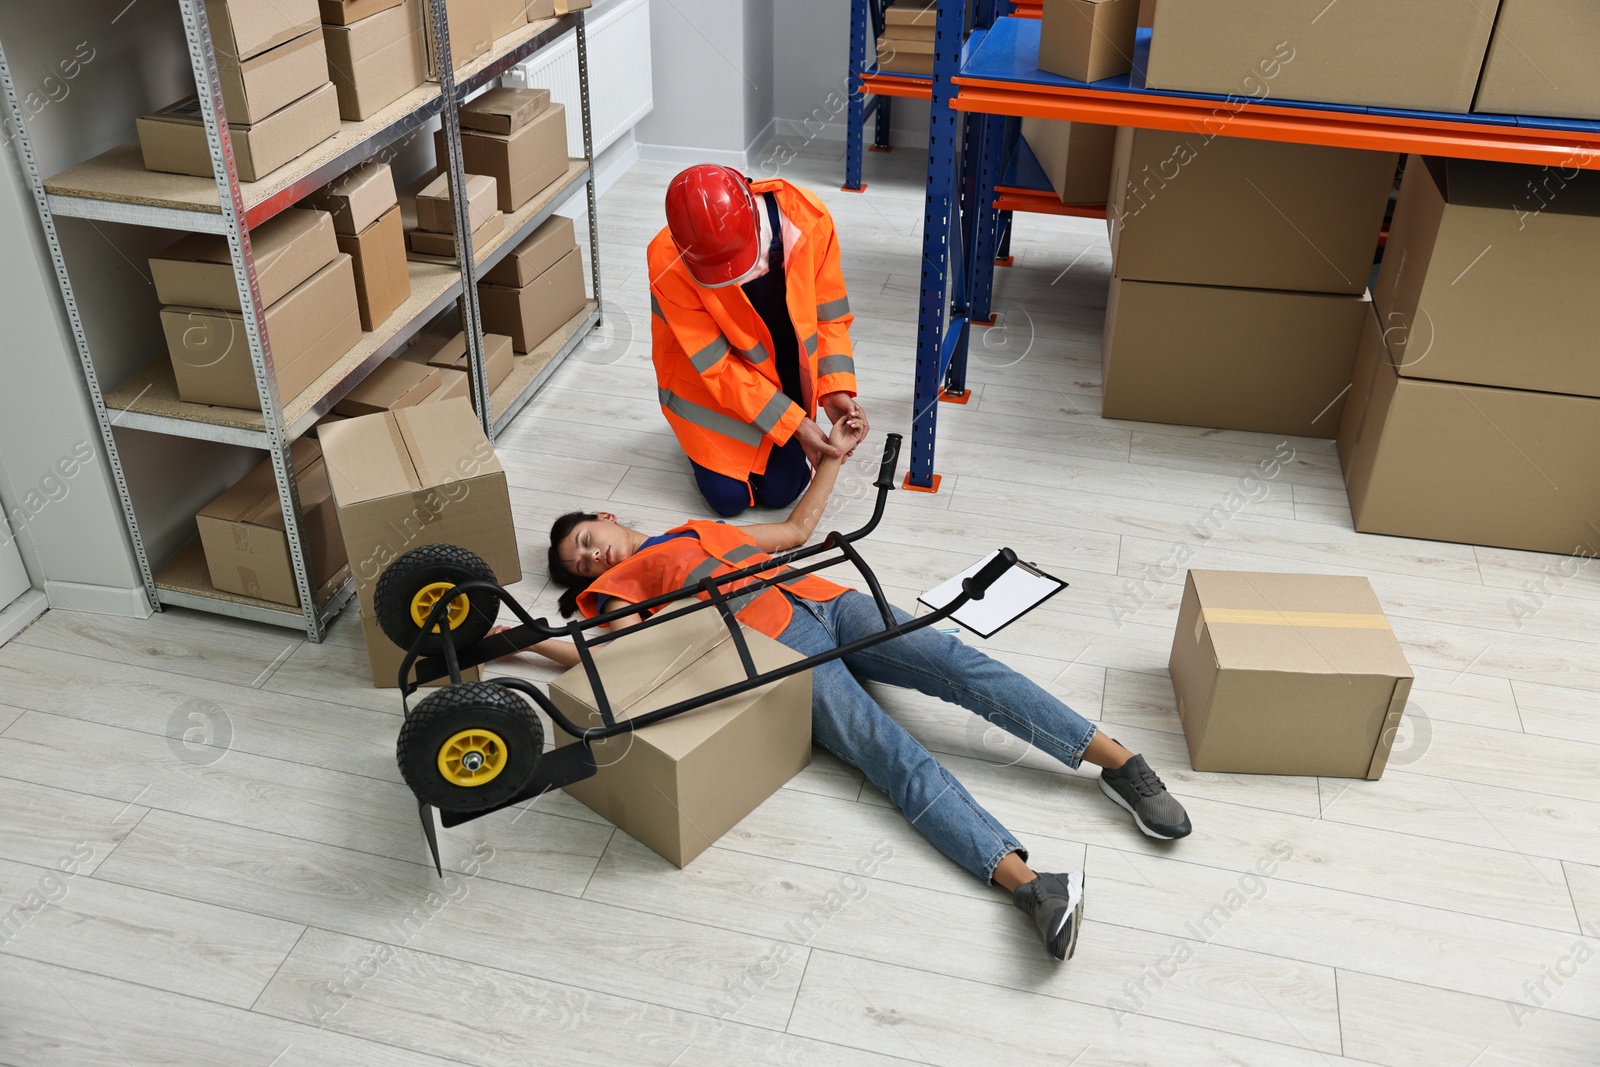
(411,585)
(469,747)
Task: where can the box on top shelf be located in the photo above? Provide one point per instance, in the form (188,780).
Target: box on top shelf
(1542,60)
(1234,211)
(503,110)
(254,88)
(357,198)
(531,313)
(538,252)
(174,138)
(378,254)
(567,7)
(1088,40)
(436,210)
(242,531)
(1489,275)
(1287,674)
(539,10)
(524,162)
(506,16)
(197,270)
(910,19)
(471,27)
(244,28)
(1075,156)
(392,385)
(345,12)
(1422,54)
(376,60)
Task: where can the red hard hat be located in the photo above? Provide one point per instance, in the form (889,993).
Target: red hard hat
(713,221)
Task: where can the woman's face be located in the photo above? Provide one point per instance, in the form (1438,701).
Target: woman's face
(595,546)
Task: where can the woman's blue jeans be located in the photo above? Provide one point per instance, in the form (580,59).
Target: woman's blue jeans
(847,722)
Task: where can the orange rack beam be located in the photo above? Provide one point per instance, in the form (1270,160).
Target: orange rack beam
(898,85)
(1042,202)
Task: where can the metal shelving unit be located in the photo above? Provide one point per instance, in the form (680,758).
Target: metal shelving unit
(866,26)
(99,190)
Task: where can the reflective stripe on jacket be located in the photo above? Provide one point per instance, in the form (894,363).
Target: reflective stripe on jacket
(716,379)
(683,561)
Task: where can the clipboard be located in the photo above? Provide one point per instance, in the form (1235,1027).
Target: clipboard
(1020,590)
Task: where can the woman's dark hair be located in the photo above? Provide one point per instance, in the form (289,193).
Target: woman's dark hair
(574,583)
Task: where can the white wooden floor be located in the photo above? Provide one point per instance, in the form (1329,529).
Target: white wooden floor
(266,900)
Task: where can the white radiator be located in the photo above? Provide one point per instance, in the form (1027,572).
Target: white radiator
(619,74)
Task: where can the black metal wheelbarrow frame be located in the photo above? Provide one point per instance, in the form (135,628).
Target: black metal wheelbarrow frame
(571,763)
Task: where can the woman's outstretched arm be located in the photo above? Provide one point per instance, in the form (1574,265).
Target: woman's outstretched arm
(797,529)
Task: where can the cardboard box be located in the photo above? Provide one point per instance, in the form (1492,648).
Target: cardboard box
(1287,674)
(358,198)
(197,270)
(378,254)
(532,313)
(309,329)
(244,28)
(346,12)
(503,110)
(523,163)
(539,10)
(418,476)
(440,344)
(1422,54)
(451,385)
(567,7)
(174,139)
(1469,463)
(1233,359)
(680,784)
(471,33)
(538,252)
(1261,214)
(1076,156)
(912,18)
(448,351)
(1488,275)
(1541,60)
(1147,13)
(247,550)
(436,210)
(896,58)
(384,658)
(1088,40)
(506,16)
(426,243)
(392,385)
(376,61)
(254,88)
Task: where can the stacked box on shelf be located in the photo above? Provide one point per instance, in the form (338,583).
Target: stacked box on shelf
(377,52)
(308,299)
(517,137)
(1087,40)
(471,24)
(444,345)
(1474,411)
(906,46)
(366,223)
(1239,273)
(1075,156)
(536,288)
(506,16)
(1541,60)
(435,232)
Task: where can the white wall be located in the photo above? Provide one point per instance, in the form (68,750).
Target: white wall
(700,82)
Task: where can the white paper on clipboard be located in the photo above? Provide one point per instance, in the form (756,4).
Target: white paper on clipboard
(1020,589)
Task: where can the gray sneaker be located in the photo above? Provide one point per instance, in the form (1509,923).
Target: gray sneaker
(1055,904)
(1135,787)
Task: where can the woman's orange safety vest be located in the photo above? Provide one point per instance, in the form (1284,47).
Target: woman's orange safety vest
(715,376)
(683,561)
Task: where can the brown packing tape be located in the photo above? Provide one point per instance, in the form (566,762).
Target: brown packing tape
(249,581)
(1269,617)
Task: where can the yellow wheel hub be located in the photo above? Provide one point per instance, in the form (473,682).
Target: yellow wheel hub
(472,758)
(431,594)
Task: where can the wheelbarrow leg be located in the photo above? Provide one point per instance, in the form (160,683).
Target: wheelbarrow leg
(431,832)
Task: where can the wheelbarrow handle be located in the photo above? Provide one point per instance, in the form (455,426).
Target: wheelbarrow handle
(891,460)
(979,583)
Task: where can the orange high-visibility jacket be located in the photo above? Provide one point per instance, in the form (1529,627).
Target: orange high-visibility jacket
(715,375)
(683,561)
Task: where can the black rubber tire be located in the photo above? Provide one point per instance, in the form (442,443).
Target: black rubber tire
(469,706)
(416,570)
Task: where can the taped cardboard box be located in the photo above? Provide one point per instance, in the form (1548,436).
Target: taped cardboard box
(197,270)
(378,254)
(309,329)
(418,476)
(254,88)
(384,658)
(1075,156)
(1233,359)
(392,385)
(524,162)
(471,27)
(1506,468)
(680,784)
(1542,60)
(345,12)
(242,531)
(173,140)
(535,311)
(357,198)
(1287,674)
(244,28)
(436,209)
(1231,211)
(375,61)
(444,244)
(538,252)
(1488,275)
(1422,54)
(1088,40)
(504,110)
(506,16)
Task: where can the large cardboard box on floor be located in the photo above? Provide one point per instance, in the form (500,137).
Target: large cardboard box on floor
(173,139)
(376,60)
(1088,40)
(1507,468)
(254,88)
(680,784)
(308,330)
(1287,674)
(383,281)
(1489,275)
(419,476)
(1231,211)
(1075,156)
(1232,359)
(1420,54)
(244,28)
(1542,60)
(197,270)
(522,162)
(535,311)
(242,531)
